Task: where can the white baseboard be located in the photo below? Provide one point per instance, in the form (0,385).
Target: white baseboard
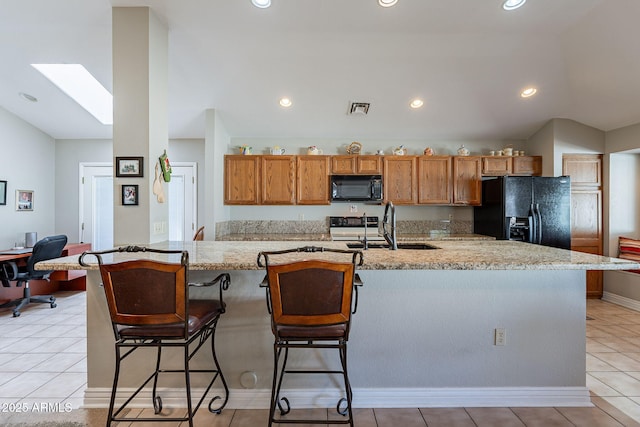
(369,398)
(620,300)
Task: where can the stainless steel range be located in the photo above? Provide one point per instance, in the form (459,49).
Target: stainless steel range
(354,227)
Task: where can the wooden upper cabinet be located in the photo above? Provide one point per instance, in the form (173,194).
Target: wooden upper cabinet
(527,165)
(497,165)
(584,169)
(467,180)
(356,164)
(312,184)
(400,180)
(241,177)
(434,180)
(278,180)
(512,165)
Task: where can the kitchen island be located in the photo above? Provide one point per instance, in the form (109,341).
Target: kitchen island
(423,334)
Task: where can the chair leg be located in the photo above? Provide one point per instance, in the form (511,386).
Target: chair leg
(217,410)
(278,375)
(157,400)
(112,401)
(187,382)
(18,304)
(347,384)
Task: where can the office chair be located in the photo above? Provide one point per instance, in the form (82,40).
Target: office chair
(149,306)
(199,234)
(310,302)
(45,249)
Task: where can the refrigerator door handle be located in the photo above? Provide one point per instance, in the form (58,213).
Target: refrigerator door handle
(531,229)
(534,225)
(539,224)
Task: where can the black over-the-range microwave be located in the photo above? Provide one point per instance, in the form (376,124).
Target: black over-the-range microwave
(356,188)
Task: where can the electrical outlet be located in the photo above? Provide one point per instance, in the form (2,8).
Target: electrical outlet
(353,208)
(500,336)
(157,228)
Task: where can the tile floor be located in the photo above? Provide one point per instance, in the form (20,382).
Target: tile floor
(43,362)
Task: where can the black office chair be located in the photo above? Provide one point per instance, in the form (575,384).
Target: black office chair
(45,249)
(311,302)
(149,305)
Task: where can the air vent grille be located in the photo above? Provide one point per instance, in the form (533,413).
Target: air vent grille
(359,108)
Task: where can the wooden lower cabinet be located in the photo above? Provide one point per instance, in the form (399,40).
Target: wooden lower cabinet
(434,180)
(312,184)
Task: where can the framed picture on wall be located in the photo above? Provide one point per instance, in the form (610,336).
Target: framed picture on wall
(24,200)
(129,195)
(3,192)
(129,166)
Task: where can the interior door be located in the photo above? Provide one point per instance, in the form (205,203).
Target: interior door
(96,205)
(183,201)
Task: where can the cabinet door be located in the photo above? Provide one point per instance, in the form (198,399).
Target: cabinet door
(241,175)
(527,165)
(497,165)
(313,180)
(278,183)
(434,180)
(467,180)
(400,180)
(369,165)
(585,171)
(343,165)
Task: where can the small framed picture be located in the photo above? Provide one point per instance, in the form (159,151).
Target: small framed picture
(129,166)
(3,192)
(24,200)
(129,195)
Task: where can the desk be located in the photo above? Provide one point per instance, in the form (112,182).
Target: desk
(68,280)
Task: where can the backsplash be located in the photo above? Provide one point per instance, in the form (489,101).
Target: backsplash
(322,227)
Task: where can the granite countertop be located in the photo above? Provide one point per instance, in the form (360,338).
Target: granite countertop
(326,237)
(450,255)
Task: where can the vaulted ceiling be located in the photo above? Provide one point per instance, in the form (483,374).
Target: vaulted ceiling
(467,59)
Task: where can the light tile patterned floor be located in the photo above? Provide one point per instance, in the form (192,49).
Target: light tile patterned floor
(43,362)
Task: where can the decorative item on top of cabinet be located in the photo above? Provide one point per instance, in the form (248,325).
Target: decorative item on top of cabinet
(312,186)
(358,164)
(467,180)
(429,151)
(400,180)
(354,148)
(463,151)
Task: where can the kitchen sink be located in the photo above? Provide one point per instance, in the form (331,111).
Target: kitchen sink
(401,245)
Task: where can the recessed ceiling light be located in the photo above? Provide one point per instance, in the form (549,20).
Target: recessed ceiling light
(262,4)
(387,3)
(285,102)
(82,87)
(512,4)
(416,103)
(28,97)
(528,92)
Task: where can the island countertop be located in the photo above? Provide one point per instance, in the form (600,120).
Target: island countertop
(450,255)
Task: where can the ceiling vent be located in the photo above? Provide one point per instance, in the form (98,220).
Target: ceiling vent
(359,108)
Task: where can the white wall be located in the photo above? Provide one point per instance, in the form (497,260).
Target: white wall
(27,163)
(622,180)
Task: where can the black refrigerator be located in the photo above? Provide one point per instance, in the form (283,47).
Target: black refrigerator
(532,209)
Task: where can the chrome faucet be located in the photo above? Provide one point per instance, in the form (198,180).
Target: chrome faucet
(365,242)
(389,226)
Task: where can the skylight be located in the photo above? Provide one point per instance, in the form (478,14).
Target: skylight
(82,87)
